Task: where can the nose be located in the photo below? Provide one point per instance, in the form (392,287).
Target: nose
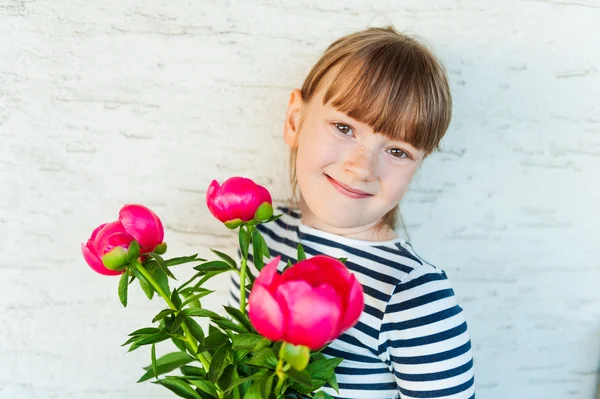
(362,164)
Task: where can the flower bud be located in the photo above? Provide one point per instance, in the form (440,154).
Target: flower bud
(296,355)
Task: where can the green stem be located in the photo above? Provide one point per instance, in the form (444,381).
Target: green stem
(243,285)
(186,331)
(243,270)
(280,377)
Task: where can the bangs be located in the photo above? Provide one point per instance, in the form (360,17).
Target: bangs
(399,91)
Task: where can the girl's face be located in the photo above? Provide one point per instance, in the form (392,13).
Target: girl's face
(335,151)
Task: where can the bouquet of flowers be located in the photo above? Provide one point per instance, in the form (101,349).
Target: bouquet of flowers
(268,349)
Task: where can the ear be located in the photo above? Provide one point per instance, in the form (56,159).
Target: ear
(293,118)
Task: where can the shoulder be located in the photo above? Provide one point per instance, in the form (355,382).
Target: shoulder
(425,284)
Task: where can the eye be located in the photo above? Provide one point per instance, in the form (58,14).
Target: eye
(398,153)
(343,129)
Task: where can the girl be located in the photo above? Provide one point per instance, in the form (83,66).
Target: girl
(372,108)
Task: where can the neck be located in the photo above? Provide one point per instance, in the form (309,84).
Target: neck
(369,232)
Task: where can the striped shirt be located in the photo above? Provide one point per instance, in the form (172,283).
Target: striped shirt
(411,340)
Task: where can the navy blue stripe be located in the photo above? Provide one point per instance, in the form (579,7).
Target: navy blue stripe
(357,371)
(442,375)
(350,356)
(440,392)
(400,250)
(422,321)
(437,357)
(425,340)
(353,341)
(420,301)
(289,211)
(369,387)
(370,310)
(426,278)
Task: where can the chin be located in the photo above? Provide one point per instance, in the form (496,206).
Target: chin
(336,216)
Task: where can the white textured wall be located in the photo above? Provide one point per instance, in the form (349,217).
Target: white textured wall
(108,102)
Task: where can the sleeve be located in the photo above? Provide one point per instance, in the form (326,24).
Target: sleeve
(424,338)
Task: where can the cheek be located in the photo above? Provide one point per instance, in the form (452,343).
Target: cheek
(396,180)
(318,148)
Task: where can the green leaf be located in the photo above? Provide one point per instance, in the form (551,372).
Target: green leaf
(268,386)
(173,357)
(178,320)
(176,299)
(148,339)
(260,375)
(159,275)
(206,387)
(264,358)
(192,371)
(162,314)
(123,289)
(323,369)
(198,312)
(196,297)
(218,363)
(214,340)
(183,259)
(322,395)
(272,218)
(213,265)
(243,241)
(230,325)
(144,284)
(227,376)
(161,263)
(332,381)
(226,258)
(179,344)
(153,356)
(289,264)
(195,329)
(257,249)
(247,341)
(190,290)
(301,377)
(239,316)
(145,331)
(179,387)
(254,392)
(301,254)
(343,260)
(166,364)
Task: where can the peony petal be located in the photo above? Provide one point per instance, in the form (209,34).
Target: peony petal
(319,270)
(355,304)
(94,261)
(95,232)
(265,313)
(116,240)
(269,277)
(142,224)
(211,195)
(102,236)
(314,313)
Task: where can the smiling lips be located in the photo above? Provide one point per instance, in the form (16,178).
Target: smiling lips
(347,190)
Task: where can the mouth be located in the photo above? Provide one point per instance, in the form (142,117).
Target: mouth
(347,190)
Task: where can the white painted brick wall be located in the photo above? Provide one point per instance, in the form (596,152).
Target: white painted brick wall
(108,102)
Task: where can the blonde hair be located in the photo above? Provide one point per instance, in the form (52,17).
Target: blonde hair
(388,81)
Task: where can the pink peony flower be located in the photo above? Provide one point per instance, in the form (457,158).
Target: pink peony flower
(310,304)
(238,200)
(109,242)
